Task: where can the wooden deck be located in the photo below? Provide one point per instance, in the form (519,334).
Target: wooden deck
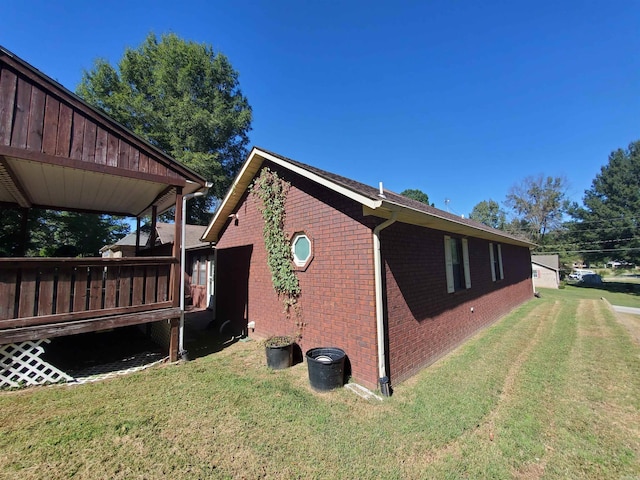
(59,153)
(50,297)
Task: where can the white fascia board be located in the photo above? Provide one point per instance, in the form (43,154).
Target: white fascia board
(246,174)
(438,222)
(323,181)
(236,190)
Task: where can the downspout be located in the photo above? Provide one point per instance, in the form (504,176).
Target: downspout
(182,353)
(377,265)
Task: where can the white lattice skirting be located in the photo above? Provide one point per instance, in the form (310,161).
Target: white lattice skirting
(21,365)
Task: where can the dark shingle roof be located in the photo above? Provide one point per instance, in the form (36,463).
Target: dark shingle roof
(390,196)
(193,233)
(549,261)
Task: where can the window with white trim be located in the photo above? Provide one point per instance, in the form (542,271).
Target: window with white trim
(456,252)
(301,249)
(199,271)
(495,255)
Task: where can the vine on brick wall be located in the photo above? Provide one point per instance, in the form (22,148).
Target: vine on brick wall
(272,192)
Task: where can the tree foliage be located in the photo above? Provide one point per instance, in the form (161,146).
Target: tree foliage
(607,226)
(183,98)
(58,234)
(417,195)
(539,204)
(489,213)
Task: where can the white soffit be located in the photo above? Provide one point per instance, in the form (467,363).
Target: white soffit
(63,187)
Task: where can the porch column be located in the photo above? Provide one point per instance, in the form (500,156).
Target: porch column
(137,236)
(175,276)
(24,232)
(153,234)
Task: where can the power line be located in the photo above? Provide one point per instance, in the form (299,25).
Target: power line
(595,242)
(604,250)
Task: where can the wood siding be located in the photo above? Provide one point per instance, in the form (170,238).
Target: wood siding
(40,291)
(39,120)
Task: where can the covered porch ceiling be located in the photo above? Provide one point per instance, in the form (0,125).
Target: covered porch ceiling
(58,152)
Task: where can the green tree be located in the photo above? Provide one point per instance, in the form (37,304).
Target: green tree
(416,194)
(607,226)
(183,98)
(80,234)
(58,234)
(489,213)
(539,204)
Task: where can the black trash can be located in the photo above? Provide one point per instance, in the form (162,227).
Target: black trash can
(326,368)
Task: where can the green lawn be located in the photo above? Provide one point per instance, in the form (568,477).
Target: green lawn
(550,391)
(618,291)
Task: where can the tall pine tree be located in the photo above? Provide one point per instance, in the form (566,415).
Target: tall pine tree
(607,227)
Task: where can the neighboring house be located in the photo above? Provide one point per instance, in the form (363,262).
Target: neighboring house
(125,247)
(545,271)
(199,267)
(392,281)
(198,264)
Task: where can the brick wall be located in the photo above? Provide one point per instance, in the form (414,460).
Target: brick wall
(424,321)
(338,299)
(338,296)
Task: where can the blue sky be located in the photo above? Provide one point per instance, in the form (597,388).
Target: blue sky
(460,99)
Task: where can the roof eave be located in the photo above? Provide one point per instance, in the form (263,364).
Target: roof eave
(248,171)
(379,207)
(411,216)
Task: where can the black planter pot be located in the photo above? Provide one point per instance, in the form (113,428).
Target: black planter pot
(326,368)
(279,357)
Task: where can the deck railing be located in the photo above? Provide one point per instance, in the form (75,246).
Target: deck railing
(38,291)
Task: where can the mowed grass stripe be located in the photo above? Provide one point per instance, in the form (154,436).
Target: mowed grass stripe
(515,441)
(597,423)
(488,368)
(556,380)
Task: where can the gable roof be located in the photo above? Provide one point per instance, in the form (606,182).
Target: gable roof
(193,233)
(165,235)
(549,261)
(384,206)
(58,152)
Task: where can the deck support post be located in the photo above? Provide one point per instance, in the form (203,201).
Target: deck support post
(173,339)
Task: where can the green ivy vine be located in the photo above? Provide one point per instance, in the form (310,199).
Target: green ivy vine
(272,192)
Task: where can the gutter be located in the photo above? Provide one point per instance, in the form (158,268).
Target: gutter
(377,265)
(182,353)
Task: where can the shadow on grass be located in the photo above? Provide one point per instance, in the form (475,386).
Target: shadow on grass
(105,350)
(611,287)
(204,336)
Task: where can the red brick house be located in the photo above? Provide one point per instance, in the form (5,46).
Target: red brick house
(393,282)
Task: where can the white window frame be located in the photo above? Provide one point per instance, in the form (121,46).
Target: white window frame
(451,288)
(297,261)
(493,260)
